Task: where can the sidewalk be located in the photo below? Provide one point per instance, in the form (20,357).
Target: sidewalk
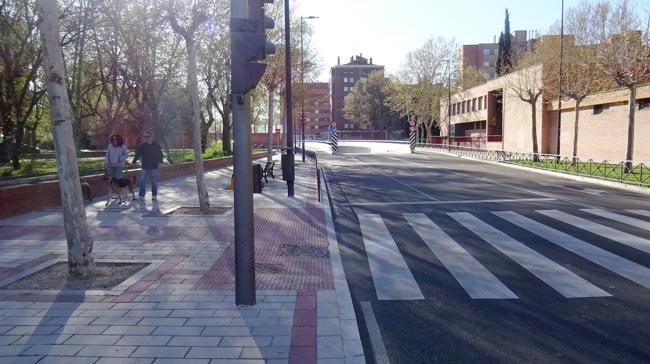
(181,307)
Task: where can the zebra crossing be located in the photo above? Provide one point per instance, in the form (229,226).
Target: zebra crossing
(393,279)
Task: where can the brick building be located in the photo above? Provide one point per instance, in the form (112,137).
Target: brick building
(483,56)
(318,111)
(493,116)
(343,78)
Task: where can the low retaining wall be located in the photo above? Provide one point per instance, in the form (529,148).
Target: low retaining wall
(21,199)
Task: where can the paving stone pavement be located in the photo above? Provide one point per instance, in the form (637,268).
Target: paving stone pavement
(181,308)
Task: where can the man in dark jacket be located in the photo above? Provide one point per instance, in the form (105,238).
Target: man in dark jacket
(152,156)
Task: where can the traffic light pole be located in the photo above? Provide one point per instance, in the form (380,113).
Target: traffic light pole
(244,228)
(243,189)
(288,103)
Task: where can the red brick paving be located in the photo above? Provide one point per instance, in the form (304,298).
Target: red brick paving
(274,227)
(303,334)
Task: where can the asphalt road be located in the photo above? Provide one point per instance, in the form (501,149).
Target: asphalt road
(466,262)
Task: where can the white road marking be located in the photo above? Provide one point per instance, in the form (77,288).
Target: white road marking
(619,265)
(401,183)
(391,275)
(640,212)
(642,224)
(447,202)
(559,278)
(477,281)
(598,229)
(377,342)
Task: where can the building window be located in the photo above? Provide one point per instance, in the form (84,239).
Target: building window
(486,64)
(600,108)
(346,89)
(316,111)
(473,104)
(644,103)
(486,76)
(480,103)
(463,107)
(486,51)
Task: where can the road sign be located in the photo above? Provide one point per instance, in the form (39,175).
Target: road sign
(333,129)
(333,124)
(412,128)
(297,131)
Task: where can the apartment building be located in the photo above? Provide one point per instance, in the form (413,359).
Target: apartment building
(343,78)
(483,56)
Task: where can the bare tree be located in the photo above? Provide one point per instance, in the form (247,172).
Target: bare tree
(625,54)
(80,241)
(526,83)
(197,18)
(581,75)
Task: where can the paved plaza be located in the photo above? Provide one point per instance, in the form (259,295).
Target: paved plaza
(181,307)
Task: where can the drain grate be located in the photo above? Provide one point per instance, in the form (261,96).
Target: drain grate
(304,251)
(268,268)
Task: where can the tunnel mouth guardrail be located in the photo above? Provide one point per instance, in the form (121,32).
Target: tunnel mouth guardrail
(624,171)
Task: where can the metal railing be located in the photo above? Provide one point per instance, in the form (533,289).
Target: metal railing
(628,172)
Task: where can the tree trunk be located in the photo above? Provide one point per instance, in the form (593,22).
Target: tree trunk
(269,139)
(533,106)
(575,133)
(226,137)
(204,200)
(428,126)
(80,242)
(629,155)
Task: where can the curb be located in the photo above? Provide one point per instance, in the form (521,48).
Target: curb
(616,185)
(347,317)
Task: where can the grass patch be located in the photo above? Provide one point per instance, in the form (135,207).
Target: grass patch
(639,175)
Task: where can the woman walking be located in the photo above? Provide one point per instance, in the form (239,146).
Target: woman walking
(116,155)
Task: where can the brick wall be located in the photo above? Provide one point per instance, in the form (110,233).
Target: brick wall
(21,199)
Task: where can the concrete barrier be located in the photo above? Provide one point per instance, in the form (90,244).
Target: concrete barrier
(363,146)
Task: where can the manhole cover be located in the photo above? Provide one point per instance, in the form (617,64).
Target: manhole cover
(268,268)
(304,251)
(217,210)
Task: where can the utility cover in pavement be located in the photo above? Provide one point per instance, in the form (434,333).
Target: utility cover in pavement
(304,251)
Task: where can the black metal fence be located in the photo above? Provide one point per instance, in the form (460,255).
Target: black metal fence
(628,172)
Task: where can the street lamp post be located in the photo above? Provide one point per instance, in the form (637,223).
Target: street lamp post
(559,101)
(448,104)
(302,83)
(289,159)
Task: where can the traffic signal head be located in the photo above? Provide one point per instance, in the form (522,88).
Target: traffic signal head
(249,46)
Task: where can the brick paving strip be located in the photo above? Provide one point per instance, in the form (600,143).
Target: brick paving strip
(184,310)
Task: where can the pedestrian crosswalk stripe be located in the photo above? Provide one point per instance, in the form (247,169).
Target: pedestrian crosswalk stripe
(477,281)
(619,265)
(598,229)
(559,278)
(391,275)
(620,218)
(640,212)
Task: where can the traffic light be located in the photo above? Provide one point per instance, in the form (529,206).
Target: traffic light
(249,46)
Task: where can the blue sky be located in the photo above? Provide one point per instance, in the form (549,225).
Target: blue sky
(387,29)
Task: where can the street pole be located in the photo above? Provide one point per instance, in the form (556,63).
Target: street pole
(559,106)
(243,188)
(302,83)
(302,92)
(448,104)
(288,96)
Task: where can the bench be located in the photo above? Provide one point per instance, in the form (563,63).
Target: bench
(268,171)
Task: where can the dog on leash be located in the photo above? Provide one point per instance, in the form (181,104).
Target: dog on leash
(86,192)
(118,185)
